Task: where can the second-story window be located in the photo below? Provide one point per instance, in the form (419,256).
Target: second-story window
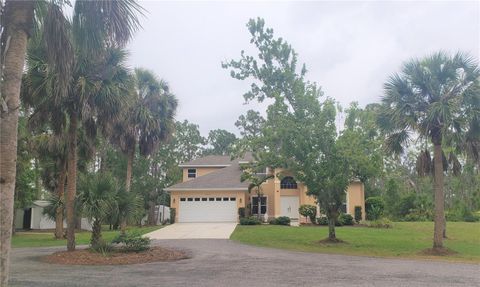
(192,173)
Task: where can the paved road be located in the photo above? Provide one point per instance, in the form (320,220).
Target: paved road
(219,230)
(219,262)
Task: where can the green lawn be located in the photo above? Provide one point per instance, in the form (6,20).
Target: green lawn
(42,239)
(405,239)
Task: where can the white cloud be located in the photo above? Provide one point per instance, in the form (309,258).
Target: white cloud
(350,48)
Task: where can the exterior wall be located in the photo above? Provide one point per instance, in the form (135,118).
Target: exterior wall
(356,197)
(176,195)
(200,171)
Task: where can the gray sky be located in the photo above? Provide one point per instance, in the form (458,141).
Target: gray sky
(350,48)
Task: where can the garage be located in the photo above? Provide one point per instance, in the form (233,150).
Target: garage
(208,209)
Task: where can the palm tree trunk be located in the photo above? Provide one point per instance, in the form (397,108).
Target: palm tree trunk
(60,208)
(128,182)
(71,181)
(18,21)
(439,199)
(332,217)
(96,232)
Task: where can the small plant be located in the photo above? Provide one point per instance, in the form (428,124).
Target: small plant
(172,215)
(252,220)
(102,247)
(241,212)
(133,242)
(282,220)
(345,219)
(309,211)
(322,220)
(379,223)
(374,207)
(358,214)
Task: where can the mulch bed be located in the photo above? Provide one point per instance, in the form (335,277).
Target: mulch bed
(116,257)
(331,241)
(438,252)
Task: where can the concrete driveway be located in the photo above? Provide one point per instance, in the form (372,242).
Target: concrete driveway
(220,262)
(221,230)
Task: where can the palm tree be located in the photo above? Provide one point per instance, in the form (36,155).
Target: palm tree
(16,21)
(250,174)
(96,197)
(148,122)
(435,98)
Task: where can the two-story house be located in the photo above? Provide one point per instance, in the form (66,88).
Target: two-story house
(211,191)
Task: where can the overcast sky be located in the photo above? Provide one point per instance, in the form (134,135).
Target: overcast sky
(349,48)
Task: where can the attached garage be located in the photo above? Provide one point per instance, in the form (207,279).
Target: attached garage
(208,209)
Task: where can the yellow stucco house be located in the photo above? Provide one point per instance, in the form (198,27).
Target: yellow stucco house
(211,191)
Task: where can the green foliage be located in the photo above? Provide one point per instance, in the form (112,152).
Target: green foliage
(309,211)
(358,213)
(374,207)
(241,212)
(322,220)
(379,223)
(133,241)
(345,219)
(252,220)
(222,142)
(103,247)
(282,220)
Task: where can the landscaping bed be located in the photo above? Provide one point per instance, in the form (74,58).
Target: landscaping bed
(116,257)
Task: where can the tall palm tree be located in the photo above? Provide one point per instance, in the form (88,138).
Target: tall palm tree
(16,20)
(148,122)
(98,81)
(435,98)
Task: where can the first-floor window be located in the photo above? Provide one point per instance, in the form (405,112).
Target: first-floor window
(263,205)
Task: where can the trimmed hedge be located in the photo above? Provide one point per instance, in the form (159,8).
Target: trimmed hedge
(252,220)
(282,220)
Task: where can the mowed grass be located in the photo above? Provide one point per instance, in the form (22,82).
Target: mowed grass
(44,239)
(405,239)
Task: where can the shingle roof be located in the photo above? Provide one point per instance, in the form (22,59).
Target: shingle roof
(216,160)
(209,160)
(227,178)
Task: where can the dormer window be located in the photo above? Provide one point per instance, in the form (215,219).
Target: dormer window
(288,183)
(192,173)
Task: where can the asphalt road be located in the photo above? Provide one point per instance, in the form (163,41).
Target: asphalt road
(219,262)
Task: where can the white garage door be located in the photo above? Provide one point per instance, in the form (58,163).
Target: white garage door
(208,209)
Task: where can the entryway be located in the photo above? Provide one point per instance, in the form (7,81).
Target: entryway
(289,206)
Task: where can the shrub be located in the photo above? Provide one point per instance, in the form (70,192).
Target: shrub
(471,218)
(133,242)
(416,216)
(345,219)
(322,220)
(282,220)
(309,211)
(172,215)
(102,247)
(252,220)
(374,207)
(338,222)
(358,214)
(379,223)
(241,212)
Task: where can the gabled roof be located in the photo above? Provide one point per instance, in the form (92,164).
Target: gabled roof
(227,178)
(209,160)
(216,161)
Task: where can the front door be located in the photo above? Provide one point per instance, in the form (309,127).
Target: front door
(289,206)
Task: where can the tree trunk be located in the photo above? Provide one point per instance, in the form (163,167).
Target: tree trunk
(96,232)
(60,193)
(331,228)
(18,21)
(128,182)
(71,182)
(439,199)
(151,213)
